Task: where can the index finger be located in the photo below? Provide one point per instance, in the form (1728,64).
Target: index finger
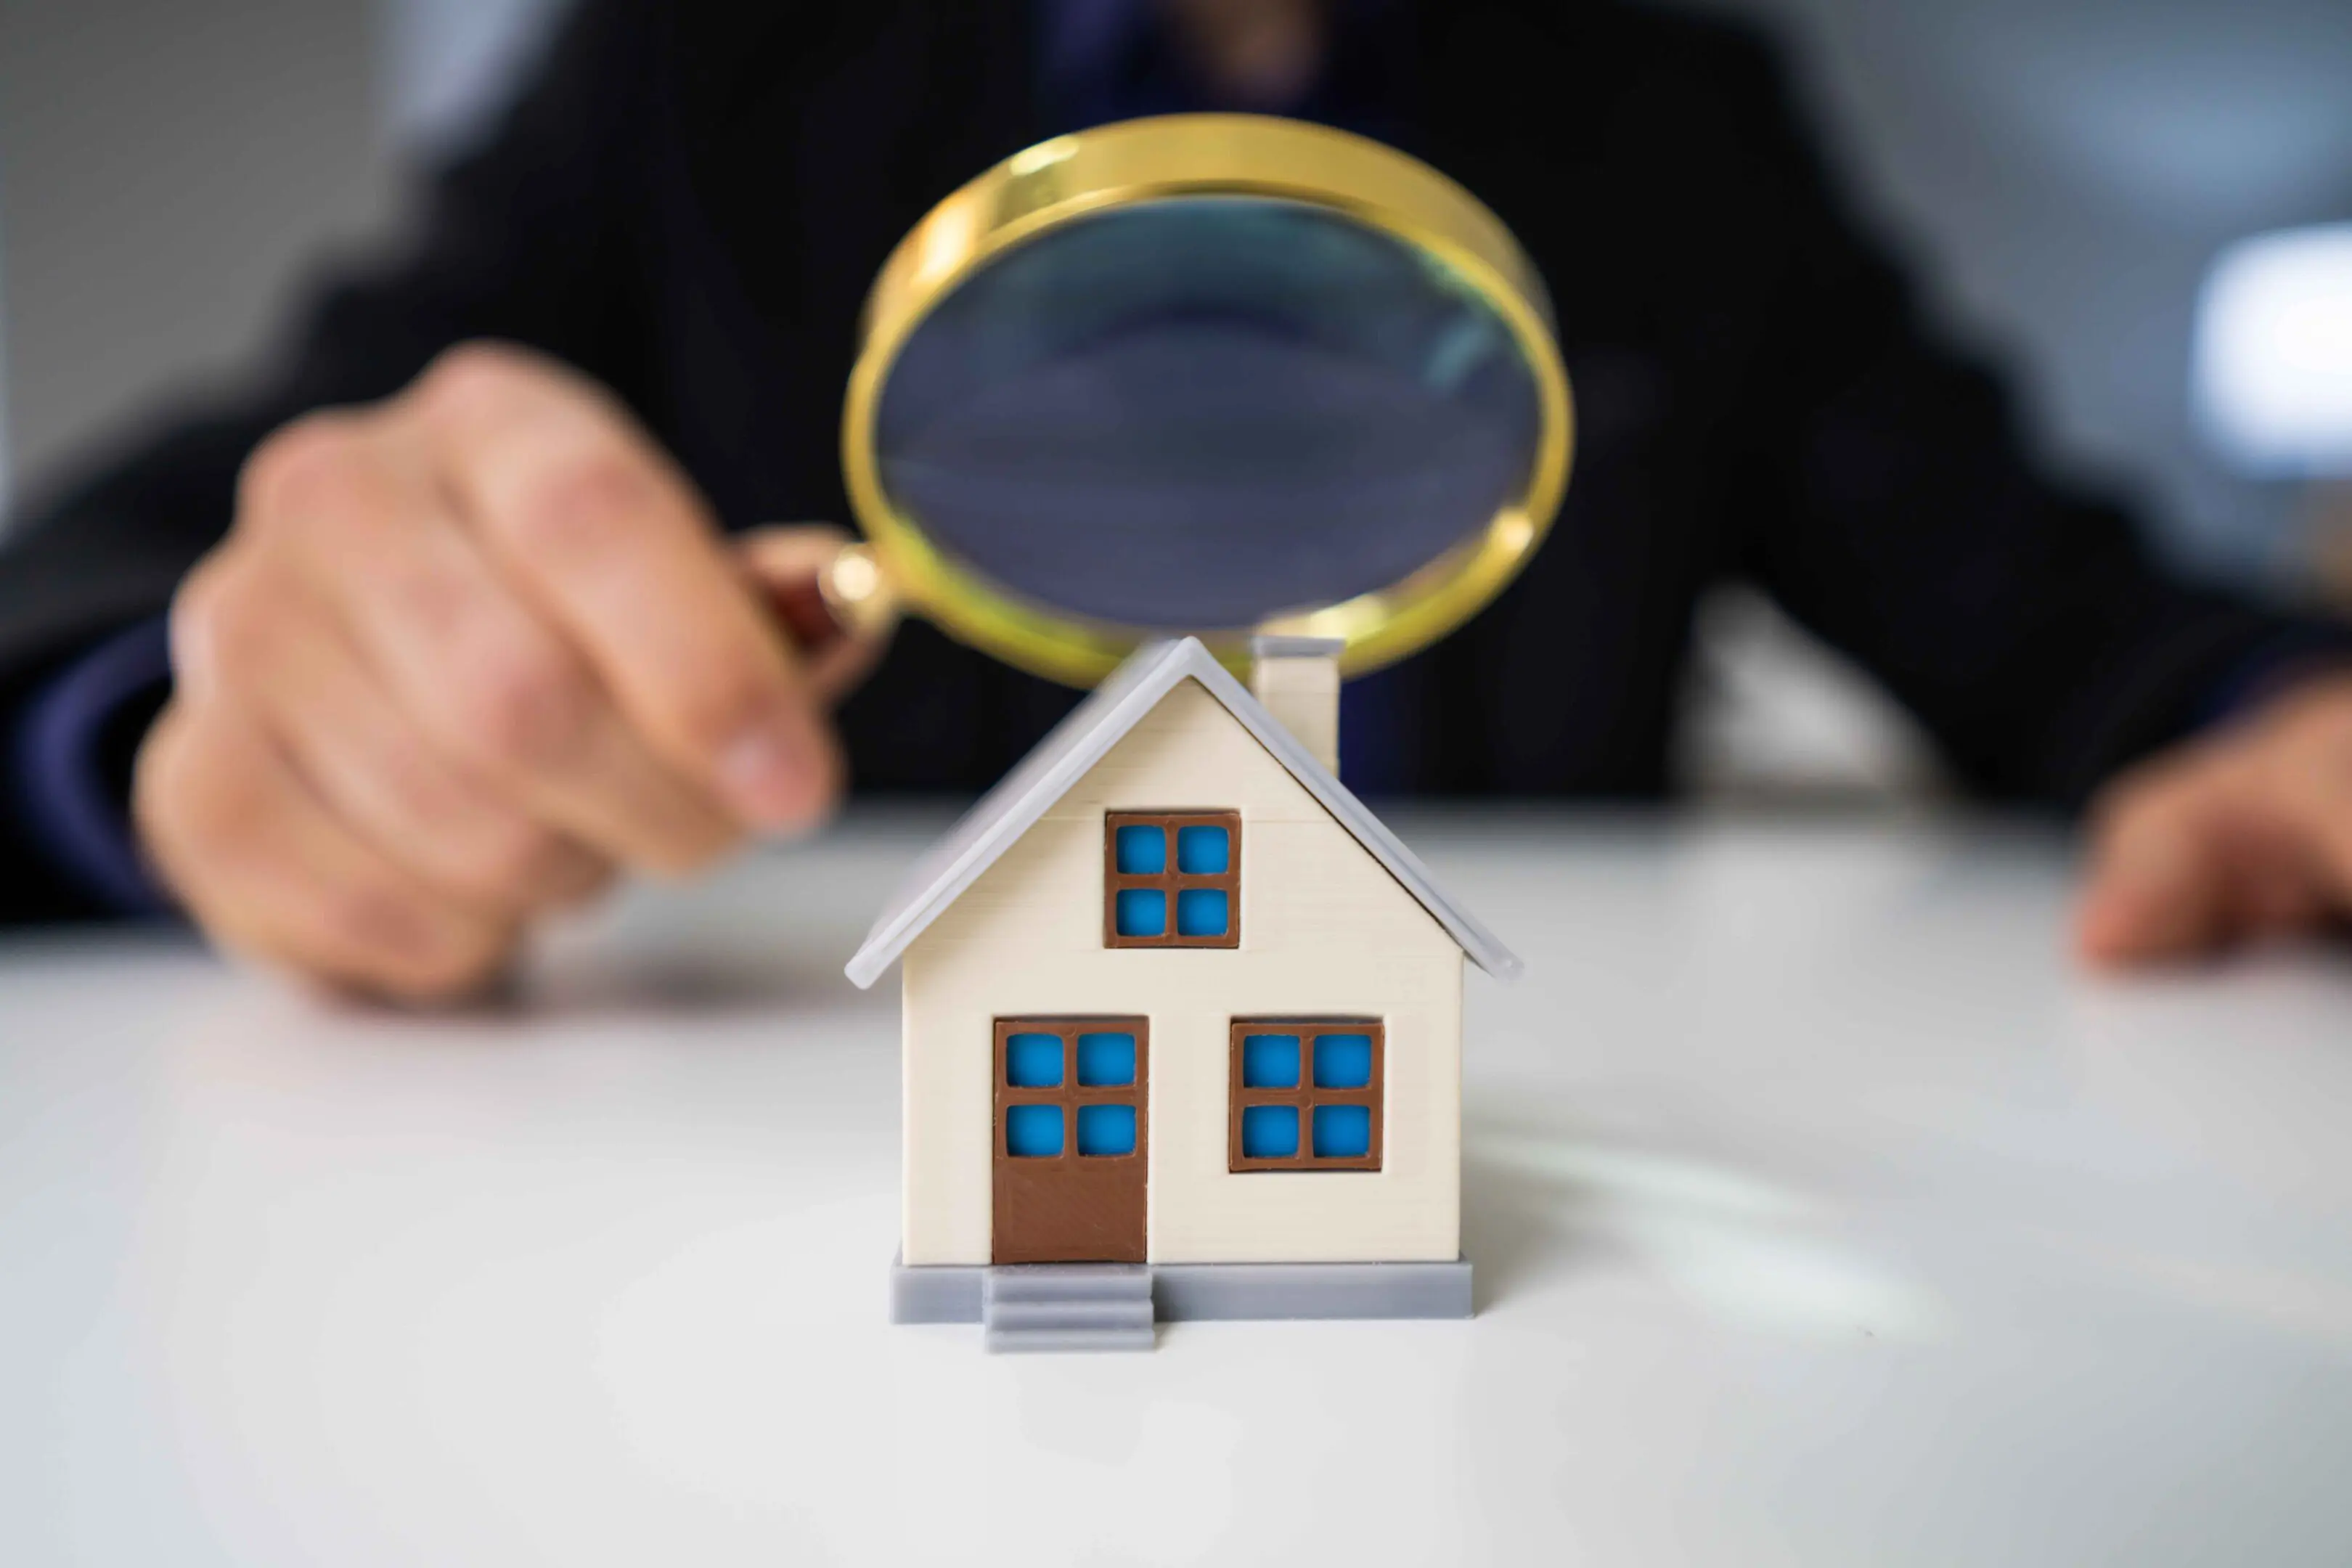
(601,531)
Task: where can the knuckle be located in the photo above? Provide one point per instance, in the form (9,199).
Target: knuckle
(158,788)
(469,379)
(195,807)
(308,468)
(201,601)
(578,505)
(527,711)
(225,611)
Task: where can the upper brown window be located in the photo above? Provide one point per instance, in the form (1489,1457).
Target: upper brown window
(1306,1094)
(1172,878)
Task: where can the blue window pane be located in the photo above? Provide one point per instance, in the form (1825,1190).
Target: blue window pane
(1269,1061)
(1203,851)
(1200,912)
(1143,851)
(1032,1132)
(1343,1061)
(1106,1130)
(1105,1058)
(1342,1131)
(1032,1061)
(1269,1131)
(1142,911)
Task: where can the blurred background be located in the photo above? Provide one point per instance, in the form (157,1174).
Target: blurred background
(2127,202)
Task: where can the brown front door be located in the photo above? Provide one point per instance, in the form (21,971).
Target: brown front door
(1070,1140)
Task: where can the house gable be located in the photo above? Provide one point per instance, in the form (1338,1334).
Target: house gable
(1132,696)
(1305,882)
(1326,930)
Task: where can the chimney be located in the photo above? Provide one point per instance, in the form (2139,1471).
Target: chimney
(1297,679)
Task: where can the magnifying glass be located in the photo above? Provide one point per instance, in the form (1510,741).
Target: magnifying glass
(1222,375)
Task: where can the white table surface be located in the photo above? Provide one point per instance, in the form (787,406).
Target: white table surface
(1821,1214)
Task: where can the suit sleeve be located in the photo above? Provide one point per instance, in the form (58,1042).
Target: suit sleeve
(1897,514)
(527,238)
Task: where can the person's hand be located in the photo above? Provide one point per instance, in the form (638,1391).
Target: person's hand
(464,655)
(2244,833)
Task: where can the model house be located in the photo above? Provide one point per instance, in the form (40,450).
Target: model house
(1181,1016)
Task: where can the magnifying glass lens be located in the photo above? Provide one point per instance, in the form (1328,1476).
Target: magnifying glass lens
(1202,413)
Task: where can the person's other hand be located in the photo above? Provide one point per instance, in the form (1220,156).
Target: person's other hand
(463,655)
(2246,833)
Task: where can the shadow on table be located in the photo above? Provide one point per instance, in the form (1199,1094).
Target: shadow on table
(1520,1218)
(1708,1228)
(681,984)
(687,992)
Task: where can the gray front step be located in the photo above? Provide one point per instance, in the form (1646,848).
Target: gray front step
(1066,1307)
(1068,1282)
(1181,1292)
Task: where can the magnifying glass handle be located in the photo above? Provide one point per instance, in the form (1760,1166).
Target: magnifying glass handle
(824,589)
(856,591)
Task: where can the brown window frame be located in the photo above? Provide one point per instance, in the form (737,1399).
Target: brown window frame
(1069,1094)
(1168,879)
(1305,1095)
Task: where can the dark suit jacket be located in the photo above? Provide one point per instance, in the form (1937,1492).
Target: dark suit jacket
(690,200)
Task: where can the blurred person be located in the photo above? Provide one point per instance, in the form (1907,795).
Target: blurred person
(452,615)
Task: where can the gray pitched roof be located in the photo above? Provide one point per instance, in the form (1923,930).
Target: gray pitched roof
(1079,742)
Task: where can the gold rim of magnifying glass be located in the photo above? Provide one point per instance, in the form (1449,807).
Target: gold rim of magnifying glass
(1136,161)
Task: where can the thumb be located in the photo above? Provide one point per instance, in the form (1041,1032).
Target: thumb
(786,563)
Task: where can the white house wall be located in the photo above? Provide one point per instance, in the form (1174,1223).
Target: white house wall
(1325,931)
